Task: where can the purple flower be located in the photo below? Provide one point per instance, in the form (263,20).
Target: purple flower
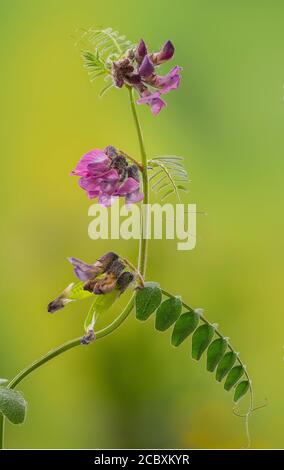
(106,175)
(166,53)
(154,101)
(138,70)
(170,81)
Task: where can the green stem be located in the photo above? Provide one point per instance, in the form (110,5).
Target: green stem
(144,215)
(142,262)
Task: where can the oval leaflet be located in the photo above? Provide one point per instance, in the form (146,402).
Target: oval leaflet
(184,326)
(225,365)
(147,300)
(201,339)
(168,313)
(215,353)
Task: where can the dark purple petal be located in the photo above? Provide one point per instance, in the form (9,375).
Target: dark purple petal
(166,53)
(154,101)
(141,51)
(146,68)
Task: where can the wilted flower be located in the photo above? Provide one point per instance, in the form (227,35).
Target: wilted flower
(108,273)
(106,175)
(138,69)
(106,279)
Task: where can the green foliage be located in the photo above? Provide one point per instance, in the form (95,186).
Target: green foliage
(201,339)
(233,376)
(167,313)
(147,300)
(100,47)
(215,353)
(225,365)
(241,390)
(168,176)
(12,405)
(185,325)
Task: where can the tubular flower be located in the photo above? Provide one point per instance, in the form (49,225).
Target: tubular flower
(107,175)
(138,70)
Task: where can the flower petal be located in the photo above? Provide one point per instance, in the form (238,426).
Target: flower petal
(146,68)
(96,158)
(106,200)
(141,51)
(83,270)
(136,196)
(166,53)
(129,185)
(154,101)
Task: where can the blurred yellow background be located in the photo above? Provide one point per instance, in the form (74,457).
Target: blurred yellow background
(133,389)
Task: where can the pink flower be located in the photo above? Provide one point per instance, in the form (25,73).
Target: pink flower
(106,175)
(154,101)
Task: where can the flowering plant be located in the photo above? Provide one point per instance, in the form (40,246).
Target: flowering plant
(107,175)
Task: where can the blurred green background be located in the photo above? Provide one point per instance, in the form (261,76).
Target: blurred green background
(133,389)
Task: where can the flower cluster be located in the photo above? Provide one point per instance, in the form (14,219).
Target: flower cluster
(108,274)
(106,175)
(138,69)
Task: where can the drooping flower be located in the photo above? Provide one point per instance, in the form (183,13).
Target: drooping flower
(107,175)
(106,279)
(138,70)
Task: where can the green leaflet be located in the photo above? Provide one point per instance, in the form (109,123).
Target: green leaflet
(233,376)
(241,390)
(201,339)
(225,365)
(215,353)
(12,405)
(167,313)
(184,326)
(147,300)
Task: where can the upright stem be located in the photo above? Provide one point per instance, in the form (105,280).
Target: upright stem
(142,262)
(144,214)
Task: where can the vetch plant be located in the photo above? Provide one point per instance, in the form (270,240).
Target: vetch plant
(107,174)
